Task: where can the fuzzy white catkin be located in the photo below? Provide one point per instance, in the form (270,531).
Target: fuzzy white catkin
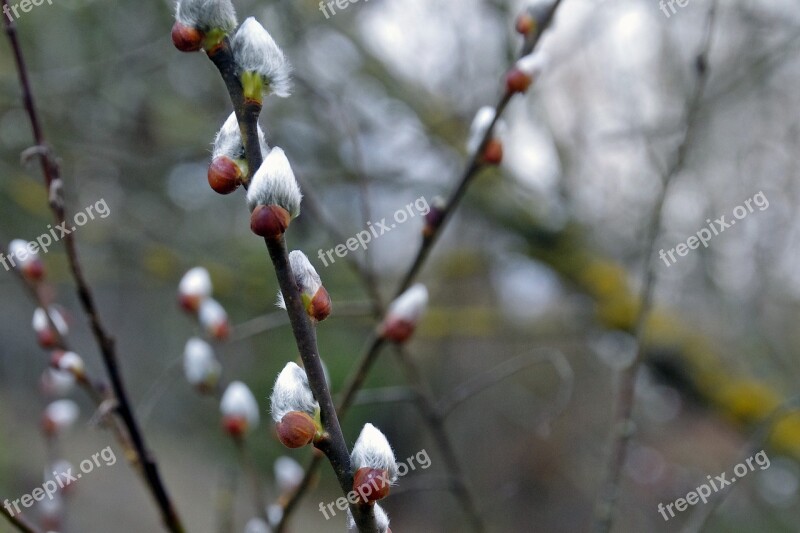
(372,450)
(228,141)
(305,275)
(62,413)
(19,249)
(292,393)
(41,324)
(288,474)
(254,50)
(410,305)
(212,314)
(274,184)
(533,64)
(483,119)
(196,283)
(200,365)
(206,15)
(238,401)
(381,519)
(71,362)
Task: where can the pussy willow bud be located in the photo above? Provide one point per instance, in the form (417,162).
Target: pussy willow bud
(374,465)
(202,23)
(214,319)
(59,416)
(47,337)
(296,429)
(200,365)
(381,519)
(404,314)
(274,196)
(68,362)
(434,217)
(371,484)
(228,168)
(239,410)
(27,261)
(194,287)
(524,72)
(315,298)
(257,525)
(263,67)
(525,24)
(288,474)
(56,383)
(493,151)
(293,407)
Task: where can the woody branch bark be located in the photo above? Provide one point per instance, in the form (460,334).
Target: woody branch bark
(54,185)
(333,445)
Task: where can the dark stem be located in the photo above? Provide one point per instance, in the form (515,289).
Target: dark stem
(436,423)
(622,424)
(376,343)
(19,521)
(52,179)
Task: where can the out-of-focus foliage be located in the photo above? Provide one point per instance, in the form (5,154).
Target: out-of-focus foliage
(545,253)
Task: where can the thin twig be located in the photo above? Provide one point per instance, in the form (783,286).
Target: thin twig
(622,425)
(376,342)
(698,520)
(19,522)
(333,445)
(436,423)
(507,369)
(54,186)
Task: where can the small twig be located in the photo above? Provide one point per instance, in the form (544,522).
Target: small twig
(53,183)
(622,425)
(250,468)
(436,424)
(376,343)
(19,522)
(335,446)
(507,369)
(698,520)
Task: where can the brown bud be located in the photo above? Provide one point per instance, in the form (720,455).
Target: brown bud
(493,153)
(220,330)
(224,175)
(296,429)
(371,484)
(269,221)
(189,303)
(235,426)
(397,330)
(517,81)
(525,24)
(34,271)
(320,305)
(49,427)
(47,339)
(433,219)
(186,39)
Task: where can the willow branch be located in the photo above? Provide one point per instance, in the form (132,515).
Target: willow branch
(19,522)
(52,178)
(376,343)
(333,445)
(622,425)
